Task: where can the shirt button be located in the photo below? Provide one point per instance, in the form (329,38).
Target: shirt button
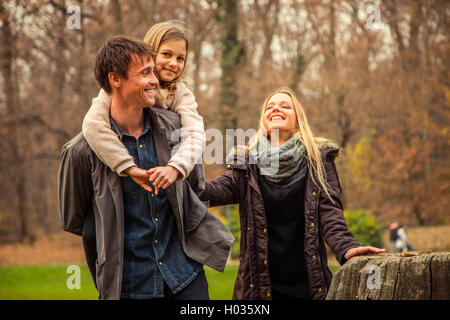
(156,219)
(141,146)
(156,241)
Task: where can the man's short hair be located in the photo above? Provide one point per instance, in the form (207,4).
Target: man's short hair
(115,56)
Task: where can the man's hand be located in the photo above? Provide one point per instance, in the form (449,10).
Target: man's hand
(353,252)
(162,177)
(139,176)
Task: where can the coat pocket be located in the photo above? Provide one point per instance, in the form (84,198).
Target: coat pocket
(194,209)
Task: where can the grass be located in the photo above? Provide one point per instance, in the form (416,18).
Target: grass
(43,283)
(49,283)
(220,284)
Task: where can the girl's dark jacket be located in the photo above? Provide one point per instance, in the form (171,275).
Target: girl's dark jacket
(324,221)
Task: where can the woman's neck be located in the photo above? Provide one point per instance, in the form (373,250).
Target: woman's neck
(282,138)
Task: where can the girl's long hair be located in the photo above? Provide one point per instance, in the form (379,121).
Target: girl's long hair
(304,134)
(164,31)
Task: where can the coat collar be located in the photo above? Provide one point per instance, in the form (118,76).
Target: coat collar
(152,124)
(327,149)
(120,132)
(158,133)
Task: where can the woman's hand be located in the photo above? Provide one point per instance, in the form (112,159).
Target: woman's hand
(353,252)
(139,176)
(162,177)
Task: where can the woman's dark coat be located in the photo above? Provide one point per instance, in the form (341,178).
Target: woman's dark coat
(323,221)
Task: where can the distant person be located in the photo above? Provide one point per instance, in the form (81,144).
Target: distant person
(286,214)
(138,245)
(398,239)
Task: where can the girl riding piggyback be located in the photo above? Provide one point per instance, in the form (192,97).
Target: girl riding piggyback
(169,42)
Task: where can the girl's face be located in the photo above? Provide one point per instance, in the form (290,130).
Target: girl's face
(280,114)
(170,59)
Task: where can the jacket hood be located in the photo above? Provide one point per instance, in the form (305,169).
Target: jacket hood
(327,147)
(324,144)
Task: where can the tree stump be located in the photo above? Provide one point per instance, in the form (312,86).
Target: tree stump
(394,276)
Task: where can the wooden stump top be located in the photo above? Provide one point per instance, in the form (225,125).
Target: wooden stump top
(393,276)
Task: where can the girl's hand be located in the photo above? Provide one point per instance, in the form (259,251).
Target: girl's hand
(162,177)
(139,176)
(353,252)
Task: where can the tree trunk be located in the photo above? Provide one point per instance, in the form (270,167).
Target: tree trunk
(117,14)
(230,61)
(10,88)
(396,276)
(228,98)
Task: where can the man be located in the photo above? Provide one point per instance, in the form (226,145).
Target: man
(146,245)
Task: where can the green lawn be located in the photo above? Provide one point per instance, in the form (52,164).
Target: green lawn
(49,283)
(43,283)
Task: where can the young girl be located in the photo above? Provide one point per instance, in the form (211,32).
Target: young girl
(169,42)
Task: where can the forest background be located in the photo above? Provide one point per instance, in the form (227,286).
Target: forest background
(372,75)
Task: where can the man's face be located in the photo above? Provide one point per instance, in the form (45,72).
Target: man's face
(139,89)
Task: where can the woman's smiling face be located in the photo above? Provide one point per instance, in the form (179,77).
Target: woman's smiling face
(280,114)
(171,59)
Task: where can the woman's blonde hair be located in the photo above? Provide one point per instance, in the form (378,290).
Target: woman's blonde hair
(304,134)
(164,31)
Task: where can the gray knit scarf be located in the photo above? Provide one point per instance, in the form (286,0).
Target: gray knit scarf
(283,165)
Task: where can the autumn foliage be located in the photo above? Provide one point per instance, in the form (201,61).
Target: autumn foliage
(381,90)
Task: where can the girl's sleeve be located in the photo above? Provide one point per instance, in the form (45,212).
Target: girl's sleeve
(193,140)
(102,139)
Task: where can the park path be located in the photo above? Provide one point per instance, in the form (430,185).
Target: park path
(63,248)
(57,249)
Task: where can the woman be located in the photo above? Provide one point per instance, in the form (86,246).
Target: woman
(286,213)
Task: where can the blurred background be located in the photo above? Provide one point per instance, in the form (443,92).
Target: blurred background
(372,75)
